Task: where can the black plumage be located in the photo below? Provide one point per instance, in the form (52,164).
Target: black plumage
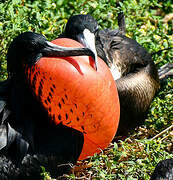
(25,126)
(28,139)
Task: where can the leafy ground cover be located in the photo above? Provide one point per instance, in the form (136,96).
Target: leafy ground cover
(148,22)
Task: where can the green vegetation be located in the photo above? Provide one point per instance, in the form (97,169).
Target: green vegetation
(136,156)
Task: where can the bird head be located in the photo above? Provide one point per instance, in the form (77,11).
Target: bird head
(29,47)
(82,28)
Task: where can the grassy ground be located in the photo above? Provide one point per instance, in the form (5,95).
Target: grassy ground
(135,156)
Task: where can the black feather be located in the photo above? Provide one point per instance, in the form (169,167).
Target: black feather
(28,138)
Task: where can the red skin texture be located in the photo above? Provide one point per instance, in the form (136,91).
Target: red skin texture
(76,95)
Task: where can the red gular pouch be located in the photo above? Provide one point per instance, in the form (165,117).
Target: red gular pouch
(77,95)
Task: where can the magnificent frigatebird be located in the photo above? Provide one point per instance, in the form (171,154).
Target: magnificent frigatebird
(131,65)
(28,139)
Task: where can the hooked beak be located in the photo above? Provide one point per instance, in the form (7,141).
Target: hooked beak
(88,40)
(52,50)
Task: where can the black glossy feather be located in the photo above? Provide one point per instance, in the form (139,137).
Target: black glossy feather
(29,139)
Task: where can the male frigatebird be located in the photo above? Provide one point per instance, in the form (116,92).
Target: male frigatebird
(28,139)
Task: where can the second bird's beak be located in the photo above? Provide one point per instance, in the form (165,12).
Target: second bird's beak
(88,40)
